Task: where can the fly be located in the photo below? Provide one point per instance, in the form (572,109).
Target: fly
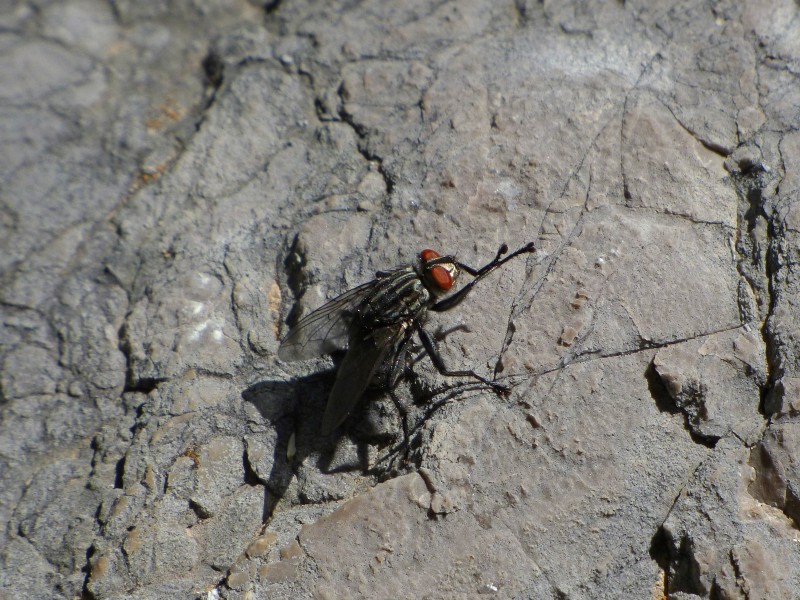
(378,319)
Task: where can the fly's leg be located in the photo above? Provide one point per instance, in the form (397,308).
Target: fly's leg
(478,274)
(438,335)
(394,376)
(500,252)
(437,361)
(395,372)
(398,362)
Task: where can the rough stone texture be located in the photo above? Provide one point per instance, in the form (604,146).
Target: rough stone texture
(181,179)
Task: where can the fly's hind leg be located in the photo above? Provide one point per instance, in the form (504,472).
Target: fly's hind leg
(438,362)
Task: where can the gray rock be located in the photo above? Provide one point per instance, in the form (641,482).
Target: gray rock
(181,181)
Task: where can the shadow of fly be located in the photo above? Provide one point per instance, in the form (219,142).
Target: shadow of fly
(375,322)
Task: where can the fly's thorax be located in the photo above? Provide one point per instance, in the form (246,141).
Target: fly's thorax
(438,273)
(399,297)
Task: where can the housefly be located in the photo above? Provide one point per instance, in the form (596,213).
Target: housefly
(376,320)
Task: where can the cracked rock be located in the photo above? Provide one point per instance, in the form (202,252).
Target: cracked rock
(182,181)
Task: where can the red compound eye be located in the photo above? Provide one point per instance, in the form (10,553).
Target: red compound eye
(429,254)
(442,278)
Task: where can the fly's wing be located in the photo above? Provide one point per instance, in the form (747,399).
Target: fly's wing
(367,351)
(326,329)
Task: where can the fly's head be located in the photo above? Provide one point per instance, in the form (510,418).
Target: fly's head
(439,273)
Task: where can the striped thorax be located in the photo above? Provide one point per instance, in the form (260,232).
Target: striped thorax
(406,293)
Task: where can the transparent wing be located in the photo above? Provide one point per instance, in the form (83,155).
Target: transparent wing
(326,329)
(367,350)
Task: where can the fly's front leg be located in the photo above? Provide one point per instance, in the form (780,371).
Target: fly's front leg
(437,361)
(478,274)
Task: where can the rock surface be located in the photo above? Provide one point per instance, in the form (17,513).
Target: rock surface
(181,180)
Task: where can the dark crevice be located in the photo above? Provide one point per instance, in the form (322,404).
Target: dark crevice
(716,592)
(709,441)
(200,372)
(684,574)
(323,113)
(387,178)
(251,478)
(658,391)
(87,571)
(199,510)
(666,403)
(755,248)
(712,146)
(90,551)
(363,133)
(294,266)
(626,192)
(270,6)
(214,70)
(766,399)
(145,385)
(773,261)
(119,474)
(660,550)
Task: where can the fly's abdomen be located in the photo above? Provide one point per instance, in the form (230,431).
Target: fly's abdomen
(400,297)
